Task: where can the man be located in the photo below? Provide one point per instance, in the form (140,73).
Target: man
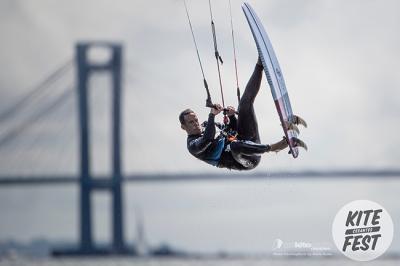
(242,153)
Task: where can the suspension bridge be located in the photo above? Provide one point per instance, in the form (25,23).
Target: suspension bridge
(51,124)
(34,115)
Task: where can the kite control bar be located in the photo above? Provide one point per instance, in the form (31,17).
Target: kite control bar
(211,105)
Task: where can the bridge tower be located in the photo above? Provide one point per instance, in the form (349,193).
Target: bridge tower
(89,184)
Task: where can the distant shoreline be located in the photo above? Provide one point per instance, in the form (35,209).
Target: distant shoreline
(159,177)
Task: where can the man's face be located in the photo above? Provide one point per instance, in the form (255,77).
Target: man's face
(191,125)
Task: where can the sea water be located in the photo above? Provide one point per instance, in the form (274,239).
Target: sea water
(241,216)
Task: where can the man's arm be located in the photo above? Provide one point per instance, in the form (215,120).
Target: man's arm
(232,118)
(233,122)
(200,144)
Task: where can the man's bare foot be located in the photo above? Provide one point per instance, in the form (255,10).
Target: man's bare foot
(280,145)
(259,62)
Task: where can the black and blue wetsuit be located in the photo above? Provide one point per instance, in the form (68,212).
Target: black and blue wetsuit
(205,146)
(245,152)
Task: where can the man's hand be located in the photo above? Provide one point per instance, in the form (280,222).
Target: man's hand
(216,109)
(230,111)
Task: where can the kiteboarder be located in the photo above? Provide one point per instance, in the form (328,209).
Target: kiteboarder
(240,150)
(238,145)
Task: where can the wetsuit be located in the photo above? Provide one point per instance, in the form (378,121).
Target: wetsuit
(206,146)
(243,154)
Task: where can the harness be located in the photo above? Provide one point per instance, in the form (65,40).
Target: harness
(224,131)
(224,138)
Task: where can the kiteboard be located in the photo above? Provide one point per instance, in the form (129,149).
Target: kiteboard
(275,80)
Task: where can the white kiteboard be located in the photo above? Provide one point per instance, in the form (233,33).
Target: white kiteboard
(274,75)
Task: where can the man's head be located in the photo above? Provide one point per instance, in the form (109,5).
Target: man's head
(189,122)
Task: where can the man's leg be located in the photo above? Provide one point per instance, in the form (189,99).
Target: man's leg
(248,148)
(247,121)
(246,154)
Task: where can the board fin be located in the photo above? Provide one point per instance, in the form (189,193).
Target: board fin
(299,143)
(297,120)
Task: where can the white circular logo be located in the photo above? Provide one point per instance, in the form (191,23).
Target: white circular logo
(362,230)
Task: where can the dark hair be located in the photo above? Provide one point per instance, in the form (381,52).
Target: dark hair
(182,115)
